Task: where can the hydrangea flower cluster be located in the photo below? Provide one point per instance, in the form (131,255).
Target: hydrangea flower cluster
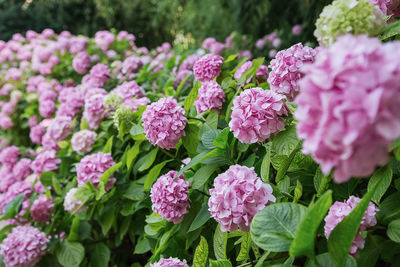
(164,122)
(91,167)
(286,69)
(348,16)
(170,262)
(57,131)
(81,62)
(24,246)
(339,210)
(349,106)
(256,114)
(388,7)
(71,102)
(237,196)
(94,111)
(71,203)
(169,196)
(208,67)
(45,161)
(83,140)
(261,73)
(41,208)
(210,97)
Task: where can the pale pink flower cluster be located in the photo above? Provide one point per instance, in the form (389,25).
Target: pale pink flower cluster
(71,203)
(286,69)
(81,62)
(45,161)
(339,210)
(23,246)
(213,45)
(169,196)
(210,97)
(41,208)
(71,102)
(104,39)
(388,7)
(261,73)
(83,140)
(91,167)
(256,114)
(58,130)
(131,65)
(94,111)
(170,262)
(97,77)
(237,196)
(164,122)
(207,67)
(19,187)
(349,106)
(297,29)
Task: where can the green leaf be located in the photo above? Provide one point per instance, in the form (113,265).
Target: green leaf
(390,30)
(136,130)
(384,176)
(285,141)
(201,253)
(107,174)
(285,164)
(202,176)
(220,263)
(142,246)
(230,58)
(132,154)
(208,138)
(189,101)
(274,227)
(13,207)
(145,162)
(84,125)
(108,146)
(190,141)
(321,182)
(220,242)
(107,219)
(265,165)
(343,234)
(325,260)
(201,218)
(135,192)
(74,232)
(202,156)
(70,254)
(153,174)
(389,208)
(46,178)
(298,191)
(393,230)
(244,247)
(252,70)
(303,243)
(221,141)
(100,256)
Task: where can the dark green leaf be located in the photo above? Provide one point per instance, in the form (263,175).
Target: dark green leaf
(153,174)
(201,218)
(384,176)
(100,256)
(393,230)
(202,176)
(70,254)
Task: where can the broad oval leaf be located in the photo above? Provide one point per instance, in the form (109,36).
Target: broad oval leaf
(325,260)
(100,256)
(220,242)
(393,230)
(220,263)
(274,227)
(70,254)
(201,218)
(384,176)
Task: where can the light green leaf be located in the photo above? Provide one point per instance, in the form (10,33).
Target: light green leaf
(201,253)
(107,219)
(201,218)
(220,242)
(153,174)
(202,176)
(274,227)
(136,130)
(132,154)
(393,230)
(325,260)
(190,140)
(285,141)
(298,191)
(108,146)
(384,176)
(70,254)
(321,182)
(221,141)
(107,174)
(145,162)
(189,101)
(265,165)
(220,263)
(244,247)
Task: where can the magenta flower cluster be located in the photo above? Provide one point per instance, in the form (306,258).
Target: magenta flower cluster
(45,161)
(23,246)
(210,97)
(237,196)
(91,167)
(41,208)
(169,262)
(261,73)
(349,106)
(286,69)
(208,67)
(164,122)
(169,196)
(339,210)
(256,114)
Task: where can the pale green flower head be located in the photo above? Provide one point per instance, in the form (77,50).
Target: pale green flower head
(348,16)
(123,117)
(112,101)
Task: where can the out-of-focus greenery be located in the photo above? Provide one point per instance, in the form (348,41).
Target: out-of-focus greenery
(155,21)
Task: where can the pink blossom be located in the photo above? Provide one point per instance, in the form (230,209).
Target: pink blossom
(104,39)
(7,178)
(388,7)
(24,246)
(135,103)
(72,101)
(83,140)
(208,67)
(36,133)
(131,65)
(210,97)
(237,196)
(71,203)
(58,130)
(97,77)
(187,63)
(22,169)
(180,76)
(128,90)
(45,161)
(5,122)
(297,29)
(286,69)
(349,106)
(9,155)
(261,74)
(81,62)
(170,262)
(256,114)
(169,196)
(41,208)
(47,108)
(91,167)
(164,122)
(245,53)
(94,111)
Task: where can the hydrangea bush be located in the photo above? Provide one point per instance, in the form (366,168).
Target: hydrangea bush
(116,155)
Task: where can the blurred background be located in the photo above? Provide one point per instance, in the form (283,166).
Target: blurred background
(156,21)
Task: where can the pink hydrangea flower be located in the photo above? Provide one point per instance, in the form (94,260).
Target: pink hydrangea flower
(128,90)
(91,167)
(9,155)
(45,161)
(237,196)
(135,103)
(170,262)
(285,69)
(104,39)
(339,210)
(131,65)
(297,29)
(187,63)
(97,77)
(94,111)
(7,178)
(71,102)
(169,196)
(180,76)
(208,67)
(23,246)
(71,203)
(256,114)
(36,133)
(22,169)
(388,7)
(83,140)
(17,188)
(210,97)
(261,73)
(5,122)
(41,208)
(164,122)
(349,106)
(58,130)
(81,62)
